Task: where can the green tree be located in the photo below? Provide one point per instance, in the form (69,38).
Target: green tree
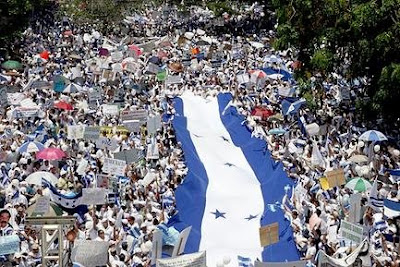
(352,37)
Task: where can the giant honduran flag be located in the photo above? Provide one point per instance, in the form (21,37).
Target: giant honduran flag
(232,187)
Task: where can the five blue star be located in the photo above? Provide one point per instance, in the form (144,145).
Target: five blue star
(218,214)
(251,217)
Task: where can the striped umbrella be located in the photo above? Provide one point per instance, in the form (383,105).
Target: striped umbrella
(30,146)
(373,135)
(359,184)
(72,88)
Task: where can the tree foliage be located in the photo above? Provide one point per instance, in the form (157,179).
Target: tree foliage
(352,37)
(15,15)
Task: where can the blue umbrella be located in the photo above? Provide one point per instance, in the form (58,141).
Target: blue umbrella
(30,146)
(373,135)
(277,131)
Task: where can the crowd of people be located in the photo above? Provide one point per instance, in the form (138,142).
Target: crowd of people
(132,68)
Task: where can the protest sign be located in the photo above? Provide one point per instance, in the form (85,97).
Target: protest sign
(181,242)
(269,234)
(173,79)
(14,98)
(94,95)
(302,263)
(153,124)
(107,143)
(129,156)
(335,178)
(351,231)
(9,244)
(21,112)
(110,109)
(157,246)
(109,131)
(133,125)
(355,208)
(130,115)
(114,166)
(243,78)
(90,253)
(91,133)
(103,180)
(42,206)
(75,131)
(81,169)
(94,196)
(189,260)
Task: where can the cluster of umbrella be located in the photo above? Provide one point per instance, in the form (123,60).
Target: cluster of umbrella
(50,153)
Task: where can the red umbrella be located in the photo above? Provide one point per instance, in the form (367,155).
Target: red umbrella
(135,49)
(45,55)
(63,105)
(50,153)
(262,112)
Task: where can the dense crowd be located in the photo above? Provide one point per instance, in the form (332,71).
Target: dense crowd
(310,139)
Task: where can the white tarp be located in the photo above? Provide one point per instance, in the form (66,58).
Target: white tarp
(90,253)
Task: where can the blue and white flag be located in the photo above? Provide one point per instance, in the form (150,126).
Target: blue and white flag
(226,196)
(374,201)
(65,201)
(244,262)
(391,208)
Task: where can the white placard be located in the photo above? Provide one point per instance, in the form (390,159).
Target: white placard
(20,112)
(15,98)
(94,196)
(75,131)
(81,169)
(189,260)
(91,133)
(174,79)
(181,242)
(355,208)
(243,78)
(114,166)
(42,206)
(3,96)
(351,231)
(90,253)
(153,124)
(133,125)
(9,244)
(130,115)
(107,143)
(112,110)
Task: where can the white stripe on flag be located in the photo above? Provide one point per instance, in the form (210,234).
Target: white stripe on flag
(233,188)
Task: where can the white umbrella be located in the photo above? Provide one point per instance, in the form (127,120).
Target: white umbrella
(373,135)
(36,178)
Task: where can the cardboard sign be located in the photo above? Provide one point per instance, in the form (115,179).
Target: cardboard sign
(243,78)
(9,244)
(14,98)
(20,112)
(107,143)
(130,115)
(133,126)
(90,253)
(153,124)
(335,178)
(174,79)
(197,259)
(42,207)
(82,167)
(103,180)
(94,196)
(109,131)
(75,131)
(94,95)
(112,110)
(129,156)
(269,234)
(91,133)
(114,166)
(351,231)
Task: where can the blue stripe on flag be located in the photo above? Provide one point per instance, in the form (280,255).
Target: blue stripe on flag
(391,208)
(244,262)
(271,176)
(191,194)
